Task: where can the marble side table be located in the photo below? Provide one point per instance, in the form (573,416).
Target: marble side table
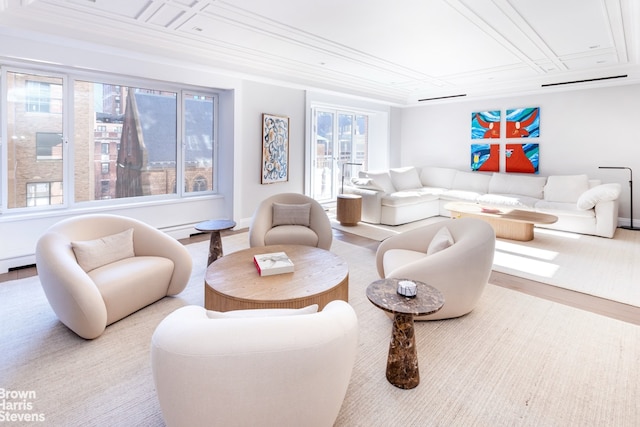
(402,362)
(215,226)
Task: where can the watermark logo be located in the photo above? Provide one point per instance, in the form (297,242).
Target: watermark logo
(19,405)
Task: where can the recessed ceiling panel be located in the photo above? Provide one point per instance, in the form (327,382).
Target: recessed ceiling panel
(126,8)
(420,35)
(568,26)
(165,15)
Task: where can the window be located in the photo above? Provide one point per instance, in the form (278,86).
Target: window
(127,140)
(145,163)
(35,148)
(43,97)
(44,193)
(341,139)
(199,141)
(48,146)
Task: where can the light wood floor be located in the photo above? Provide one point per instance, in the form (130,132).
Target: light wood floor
(616,310)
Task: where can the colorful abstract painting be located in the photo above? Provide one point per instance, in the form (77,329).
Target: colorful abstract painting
(485,157)
(523,123)
(522,158)
(275,148)
(485,124)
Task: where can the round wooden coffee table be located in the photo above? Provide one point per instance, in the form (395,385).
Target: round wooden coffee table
(233,282)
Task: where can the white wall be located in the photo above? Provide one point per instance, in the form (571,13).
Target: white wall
(579,131)
(259,98)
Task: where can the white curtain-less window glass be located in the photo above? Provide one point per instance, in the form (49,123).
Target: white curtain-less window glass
(35,142)
(341,138)
(198,143)
(129,133)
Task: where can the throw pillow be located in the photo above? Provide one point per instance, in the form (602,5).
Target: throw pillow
(267,312)
(382,180)
(92,254)
(366,183)
(600,193)
(289,214)
(405,178)
(441,240)
(565,188)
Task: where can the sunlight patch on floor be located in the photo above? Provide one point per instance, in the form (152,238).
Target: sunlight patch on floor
(524,264)
(557,233)
(526,251)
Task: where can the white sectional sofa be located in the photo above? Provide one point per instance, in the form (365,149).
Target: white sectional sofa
(402,195)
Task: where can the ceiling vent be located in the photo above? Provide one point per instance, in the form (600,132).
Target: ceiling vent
(622,76)
(441,97)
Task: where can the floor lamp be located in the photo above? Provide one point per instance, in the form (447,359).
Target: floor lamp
(343,165)
(631,227)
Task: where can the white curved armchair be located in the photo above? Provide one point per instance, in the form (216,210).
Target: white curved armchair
(266,367)
(87,294)
(294,225)
(460,271)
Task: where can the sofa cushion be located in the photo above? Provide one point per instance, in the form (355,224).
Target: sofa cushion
(291,214)
(405,178)
(441,240)
(461,195)
(264,312)
(471,181)
(532,186)
(131,283)
(92,254)
(563,209)
(437,177)
(511,200)
(291,235)
(396,258)
(601,193)
(404,198)
(382,180)
(565,188)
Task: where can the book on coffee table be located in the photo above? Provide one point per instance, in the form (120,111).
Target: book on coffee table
(273,263)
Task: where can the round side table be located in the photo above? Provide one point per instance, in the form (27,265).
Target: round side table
(402,362)
(349,209)
(215,226)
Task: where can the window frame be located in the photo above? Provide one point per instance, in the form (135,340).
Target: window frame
(70,76)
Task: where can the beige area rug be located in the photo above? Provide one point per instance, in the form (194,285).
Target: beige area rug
(516,360)
(606,268)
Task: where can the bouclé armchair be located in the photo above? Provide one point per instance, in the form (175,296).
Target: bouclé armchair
(290,218)
(459,264)
(97,269)
(263,367)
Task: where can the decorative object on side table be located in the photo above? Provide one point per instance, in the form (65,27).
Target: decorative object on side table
(402,362)
(630,227)
(407,288)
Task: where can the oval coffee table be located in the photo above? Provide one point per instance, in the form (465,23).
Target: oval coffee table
(233,282)
(402,361)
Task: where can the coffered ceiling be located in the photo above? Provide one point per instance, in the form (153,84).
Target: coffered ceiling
(404,52)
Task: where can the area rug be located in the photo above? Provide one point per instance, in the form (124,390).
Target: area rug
(606,268)
(515,360)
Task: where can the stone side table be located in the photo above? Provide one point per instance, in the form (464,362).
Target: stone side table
(402,362)
(215,226)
